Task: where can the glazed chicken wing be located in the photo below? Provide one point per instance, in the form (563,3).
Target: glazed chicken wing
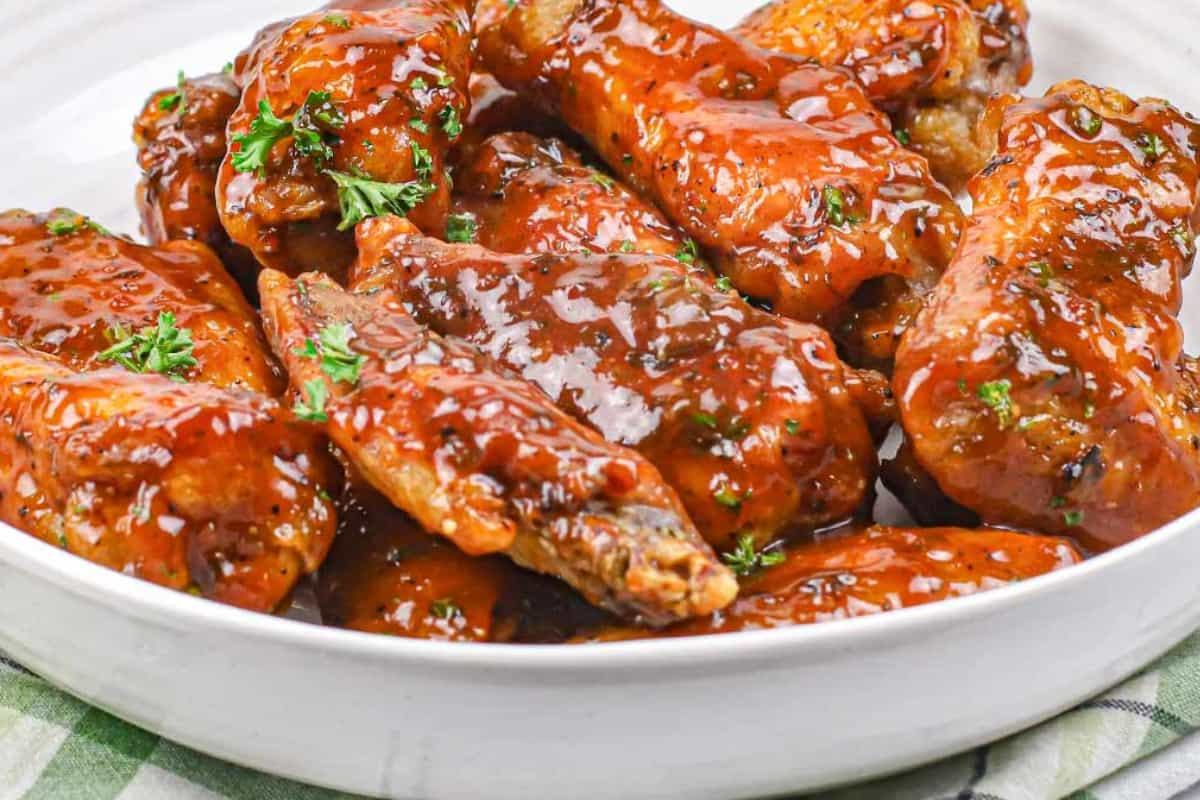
(1045,385)
(523,194)
(387,575)
(180,137)
(485,459)
(861,572)
(72,289)
(746,415)
(782,170)
(930,65)
(187,485)
(345,113)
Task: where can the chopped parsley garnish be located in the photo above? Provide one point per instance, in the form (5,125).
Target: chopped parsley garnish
(418,83)
(728,498)
(791,426)
(62,225)
(418,125)
(1186,239)
(337,20)
(1057,501)
(835,205)
(444,80)
(626,246)
(902,137)
(688,253)
(1043,271)
(451,124)
(162,348)
(308,129)
(724,284)
(705,419)
(460,228)
(1152,145)
(603,181)
(311,408)
(228,68)
(1086,121)
(1073,518)
(444,608)
(361,198)
(422,162)
(995,395)
(745,560)
(177,98)
(338,360)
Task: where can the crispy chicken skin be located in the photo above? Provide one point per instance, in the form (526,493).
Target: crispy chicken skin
(930,65)
(1045,385)
(745,414)
(186,485)
(395,75)
(868,571)
(487,461)
(180,137)
(782,170)
(524,194)
(386,575)
(66,293)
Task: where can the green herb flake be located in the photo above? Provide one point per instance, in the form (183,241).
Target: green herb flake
(1152,145)
(337,20)
(1073,518)
(461,228)
(1057,501)
(338,360)
(418,125)
(451,123)
(745,560)
(266,130)
(724,284)
(445,80)
(362,198)
(730,499)
(626,246)
(903,137)
(835,205)
(176,99)
(228,68)
(603,181)
(705,419)
(162,348)
(689,253)
(418,84)
(1086,121)
(445,608)
(311,408)
(791,426)
(1043,272)
(64,225)
(996,396)
(422,162)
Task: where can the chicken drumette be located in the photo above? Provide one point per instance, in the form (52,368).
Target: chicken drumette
(485,459)
(1045,386)
(860,572)
(180,136)
(748,416)
(345,113)
(930,65)
(134,384)
(782,170)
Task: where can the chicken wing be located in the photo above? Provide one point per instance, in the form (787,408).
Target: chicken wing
(522,194)
(1045,385)
(930,65)
(187,485)
(74,290)
(745,414)
(485,459)
(782,170)
(345,113)
(180,137)
(863,572)
(386,575)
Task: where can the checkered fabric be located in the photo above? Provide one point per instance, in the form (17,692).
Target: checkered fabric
(55,747)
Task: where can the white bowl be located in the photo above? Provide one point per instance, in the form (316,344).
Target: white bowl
(731,716)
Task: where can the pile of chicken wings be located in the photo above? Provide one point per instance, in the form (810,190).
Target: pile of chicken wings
(580,320)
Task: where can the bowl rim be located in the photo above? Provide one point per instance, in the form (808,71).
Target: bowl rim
(75,574)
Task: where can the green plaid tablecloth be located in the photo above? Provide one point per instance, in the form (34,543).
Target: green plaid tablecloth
(1114,747)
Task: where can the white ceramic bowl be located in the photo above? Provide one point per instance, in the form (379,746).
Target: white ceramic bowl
(733,716)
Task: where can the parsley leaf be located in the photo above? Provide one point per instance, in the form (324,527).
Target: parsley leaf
(729,498)
(451,123)
(745,560)
(444,608)
(361,198)
(688,253)
(177,98)
(337,20)
(724,284)
(65,223)
(1152,145)
(162,348)
(902,137)
(1073,518)
(418,83)
(461,228)
(1043,272)
(1086,121)
(626,246)
(312,407)
(995,395)
(422,162)
(835,205)
(603,181)
(338,360)
(418,125)
(265,131)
